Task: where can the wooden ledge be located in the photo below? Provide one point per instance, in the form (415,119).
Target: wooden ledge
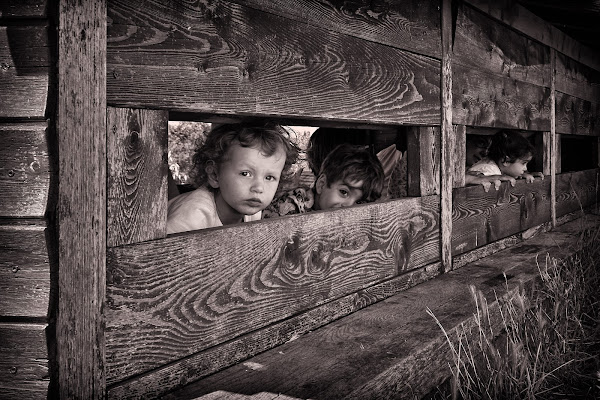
(392,349)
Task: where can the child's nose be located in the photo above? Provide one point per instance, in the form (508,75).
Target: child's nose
(347,203)
(257,186)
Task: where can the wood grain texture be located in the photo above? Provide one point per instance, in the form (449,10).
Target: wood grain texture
(23,96)
(460,157)
(23,8)
(178,374)
(81,130)
(577,116)
(523,20)
(423,162)
(547,151)
(25,48)
(24,361)
(447,140)
(483,43)
(24,269)
(576,191)
(170,298)
(195,58)
(392,349)
(137,175)
(480,218)
(413,25)
(482,99)
(24,169)
(576,79)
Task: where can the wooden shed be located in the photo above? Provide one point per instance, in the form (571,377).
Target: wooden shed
(96,301)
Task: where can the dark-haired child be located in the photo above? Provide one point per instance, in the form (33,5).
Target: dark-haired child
(507,159)
(238,169)
(348,175)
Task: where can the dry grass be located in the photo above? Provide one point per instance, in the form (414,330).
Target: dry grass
(548,344)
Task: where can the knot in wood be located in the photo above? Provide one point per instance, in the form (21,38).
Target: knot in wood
(15,269)
(13,370)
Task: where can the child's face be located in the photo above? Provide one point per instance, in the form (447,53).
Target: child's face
(247,181)
(517,168)
(338,194)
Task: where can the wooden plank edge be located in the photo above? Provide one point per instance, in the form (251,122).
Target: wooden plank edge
(178,374)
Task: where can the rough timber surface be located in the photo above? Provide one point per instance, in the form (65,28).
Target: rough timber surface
(392,349)
(171,298)
(195,58)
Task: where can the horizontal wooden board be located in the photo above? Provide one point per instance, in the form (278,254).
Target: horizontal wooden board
(576,191)
(483,43)
(23,8)
(24,48)
(577,116)
(222,61)
(23,96)
(480,218)
(486,100)
(523,20)
(408,25)
(576,79)
(24,268)
(24,361)
(24,169)
(170,298)
(176,375)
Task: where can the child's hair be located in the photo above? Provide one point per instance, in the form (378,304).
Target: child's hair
(323,140)
(267,137)
(509,146)
(354,163)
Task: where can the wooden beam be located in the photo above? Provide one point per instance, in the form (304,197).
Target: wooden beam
(460,157)
(81,130)
(136,175)
(447,137)
(554,149)
(170,298)
(423,161)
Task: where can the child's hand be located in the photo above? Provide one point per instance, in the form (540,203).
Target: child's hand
(487,181)
(530,177)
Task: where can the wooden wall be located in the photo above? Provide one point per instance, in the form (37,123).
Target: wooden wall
(27,267)
(184,306)
(151,313)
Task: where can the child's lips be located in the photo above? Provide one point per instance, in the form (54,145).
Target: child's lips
(254,202)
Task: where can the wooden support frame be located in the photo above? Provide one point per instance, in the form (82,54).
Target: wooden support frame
(423,161)
(81,133)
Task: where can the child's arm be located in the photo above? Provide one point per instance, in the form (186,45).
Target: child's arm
(474,178)
(530,177)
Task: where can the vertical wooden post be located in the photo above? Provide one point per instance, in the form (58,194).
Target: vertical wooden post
(423,162)
(547,147)
(460,155)
(555,155)
(447,137)
(81,130)
(137,175)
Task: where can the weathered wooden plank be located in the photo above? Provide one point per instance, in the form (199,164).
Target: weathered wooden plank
(24,361)
(170,298)
(482,99)
(523,20)
(223,62)
(460,157)
(23,8)
(176,375)
(576,191)
(423,162)
(24,169)
(482,43)
(81,131)
(546,151)
(447,140)
(480,218)
(24,48)
(24,268)
(137,175)
(392,349)
(23,96)
(576,79)
(577,116)
(413,25)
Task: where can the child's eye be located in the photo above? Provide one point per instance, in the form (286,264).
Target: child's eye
(271,178)
(344,192)
(245,173)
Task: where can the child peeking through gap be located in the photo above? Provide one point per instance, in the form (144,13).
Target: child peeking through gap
(238,169)
(349,175)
